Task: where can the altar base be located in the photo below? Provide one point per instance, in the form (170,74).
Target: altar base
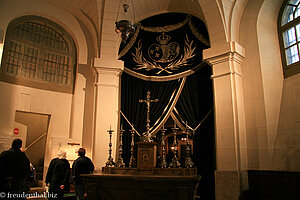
(151,171)
(139,187)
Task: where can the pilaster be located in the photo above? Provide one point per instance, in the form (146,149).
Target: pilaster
(231,149)
(106,109)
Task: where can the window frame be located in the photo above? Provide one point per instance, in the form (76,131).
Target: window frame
(294,68)
(39,82)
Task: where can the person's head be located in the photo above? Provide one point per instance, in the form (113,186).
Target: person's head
(61,154)
(17,143)
(81,152)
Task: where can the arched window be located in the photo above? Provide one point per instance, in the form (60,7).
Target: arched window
(38,53)
(289,36)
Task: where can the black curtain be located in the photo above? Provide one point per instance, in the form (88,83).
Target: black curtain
(134,89)
(194,103)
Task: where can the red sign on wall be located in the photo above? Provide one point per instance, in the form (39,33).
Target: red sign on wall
(16,131)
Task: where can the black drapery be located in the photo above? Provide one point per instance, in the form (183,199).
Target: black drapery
(134,89)
(194,104)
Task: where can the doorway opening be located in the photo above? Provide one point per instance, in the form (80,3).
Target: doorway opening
(33,130)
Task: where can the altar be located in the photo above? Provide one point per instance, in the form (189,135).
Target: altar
(146,176)
(158,164)
(143,182)
(140,187)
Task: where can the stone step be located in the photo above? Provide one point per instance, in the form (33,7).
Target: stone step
(39,175)
(36,189)
(36,183)
(39,169)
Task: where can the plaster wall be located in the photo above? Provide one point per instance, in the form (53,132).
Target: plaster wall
(66,111)
(271,101)
(286,154)
(58,105)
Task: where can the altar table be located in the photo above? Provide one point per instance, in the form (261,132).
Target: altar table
(101,186)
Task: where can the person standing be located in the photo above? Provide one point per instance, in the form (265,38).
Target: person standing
(82,165)
(58,175)
(14,169)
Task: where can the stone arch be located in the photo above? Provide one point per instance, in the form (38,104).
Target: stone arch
(237,14)
(215,22)
(10,11)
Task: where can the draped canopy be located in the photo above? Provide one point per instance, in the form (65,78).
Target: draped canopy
(164,56)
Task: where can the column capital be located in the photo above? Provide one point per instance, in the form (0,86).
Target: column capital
(230,51)
(112,67)
(108,72)
(226,59)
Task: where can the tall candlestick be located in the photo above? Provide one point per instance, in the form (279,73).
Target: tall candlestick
(163,163)
(131,161)
(188,161)
(120,162)
(110,161)
(175,163)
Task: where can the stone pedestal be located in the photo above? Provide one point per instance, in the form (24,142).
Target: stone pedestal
(146,154)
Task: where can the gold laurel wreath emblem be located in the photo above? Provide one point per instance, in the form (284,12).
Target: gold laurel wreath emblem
(142,63)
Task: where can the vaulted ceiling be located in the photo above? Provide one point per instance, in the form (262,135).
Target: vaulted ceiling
(138,9)
(93,13)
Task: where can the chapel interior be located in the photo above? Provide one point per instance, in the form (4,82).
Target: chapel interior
(172,99)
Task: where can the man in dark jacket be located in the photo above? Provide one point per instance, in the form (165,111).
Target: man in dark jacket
(82,165)
(14,169)
(58,175)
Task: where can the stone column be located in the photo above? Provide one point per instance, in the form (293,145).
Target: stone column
(231,150)
(106,109)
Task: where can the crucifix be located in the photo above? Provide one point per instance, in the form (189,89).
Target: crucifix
(148,101)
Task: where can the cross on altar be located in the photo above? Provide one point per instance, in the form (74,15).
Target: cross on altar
(148,101)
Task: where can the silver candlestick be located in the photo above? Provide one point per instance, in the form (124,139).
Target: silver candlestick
(110,161)
(188,161)
(163,163)
(175,163)
(131,161)
(120,162)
